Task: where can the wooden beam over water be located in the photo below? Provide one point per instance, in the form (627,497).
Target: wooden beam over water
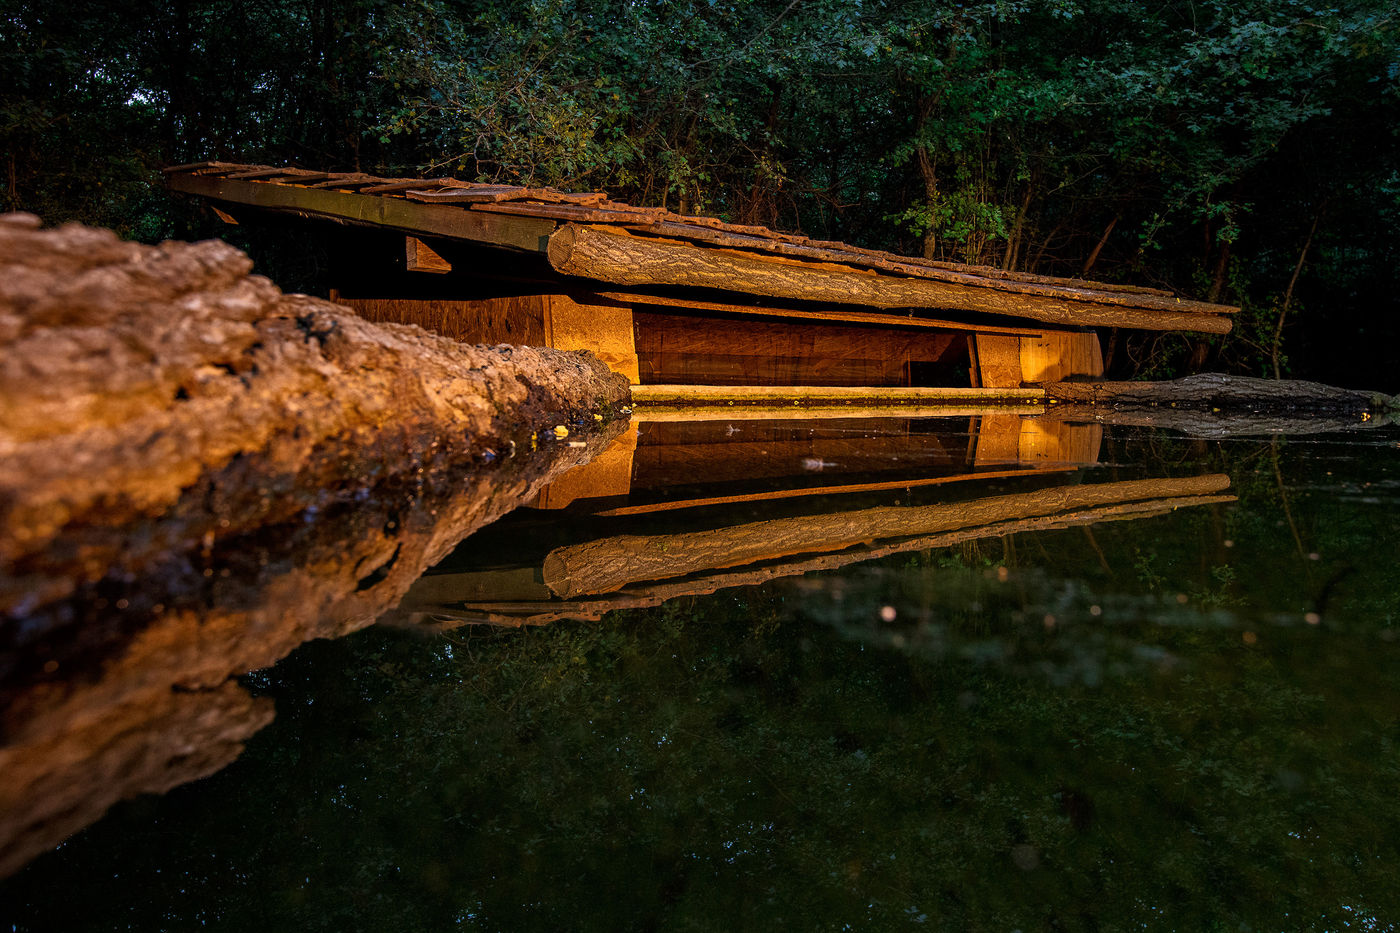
(859,397)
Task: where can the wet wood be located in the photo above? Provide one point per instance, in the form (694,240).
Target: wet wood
(612,255)
(610,564)
(649,594)
(838,490)
(1010,438)
(755,456)
(827,395)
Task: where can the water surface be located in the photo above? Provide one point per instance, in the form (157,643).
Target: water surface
(1058,677)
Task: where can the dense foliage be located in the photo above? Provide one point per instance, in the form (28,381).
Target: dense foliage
(1243,151)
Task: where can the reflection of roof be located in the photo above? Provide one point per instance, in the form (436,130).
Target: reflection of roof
(617,242)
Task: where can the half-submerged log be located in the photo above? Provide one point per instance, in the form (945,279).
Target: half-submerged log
(197,474)
(612,255)
(133,375)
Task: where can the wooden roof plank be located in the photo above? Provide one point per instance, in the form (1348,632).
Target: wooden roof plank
(575,213)
(524,233)
(400,185)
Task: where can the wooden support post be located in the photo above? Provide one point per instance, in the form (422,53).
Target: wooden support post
(604,329)
(1052,356)
(998,361)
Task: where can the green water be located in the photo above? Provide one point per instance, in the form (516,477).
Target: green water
(1188,721)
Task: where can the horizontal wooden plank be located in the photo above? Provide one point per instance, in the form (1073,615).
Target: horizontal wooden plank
(837,490)
(829,410)
(525,233)
(888,319)
(573,213)
(801,395)
(400,185)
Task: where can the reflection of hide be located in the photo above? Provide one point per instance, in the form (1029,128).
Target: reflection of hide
(627,568)
(612,563)
(817,454)
(1009,438)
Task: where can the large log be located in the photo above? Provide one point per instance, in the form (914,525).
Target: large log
(197,474)
(611,255)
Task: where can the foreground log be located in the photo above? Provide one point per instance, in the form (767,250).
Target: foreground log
(198,474)
(141,381)
(612,255)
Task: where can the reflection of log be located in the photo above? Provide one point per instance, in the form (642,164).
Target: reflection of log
(612,255)
(1215,392)
(610,564)
(536,610)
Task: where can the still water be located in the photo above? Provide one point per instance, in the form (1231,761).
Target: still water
(980,672)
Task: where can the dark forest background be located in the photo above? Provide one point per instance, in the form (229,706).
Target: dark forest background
(1242,151)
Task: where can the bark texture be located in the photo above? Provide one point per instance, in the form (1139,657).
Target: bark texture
(611,255)
(199,473)
(132,376)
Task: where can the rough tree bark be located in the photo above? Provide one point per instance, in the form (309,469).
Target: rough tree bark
(197,474)
(612,255)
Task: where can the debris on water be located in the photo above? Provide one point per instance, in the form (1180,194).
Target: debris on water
(815,464)
(561,431)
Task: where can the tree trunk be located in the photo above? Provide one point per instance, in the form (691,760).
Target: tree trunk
(612,255)
(1277,343)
